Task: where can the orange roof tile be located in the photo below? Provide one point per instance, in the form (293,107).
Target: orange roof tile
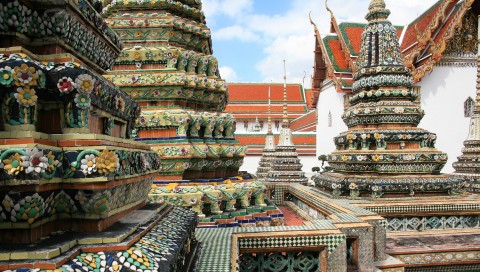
(308,120)
(335,53)
(309,96)
(259,139)
(352,33)
(258,92)
(440,35)
(277,117)
(421,23)
(263,109)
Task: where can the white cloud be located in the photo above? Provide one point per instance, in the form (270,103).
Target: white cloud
(228,73)
(289,35)
(235,33)
(297,52)
(231,8)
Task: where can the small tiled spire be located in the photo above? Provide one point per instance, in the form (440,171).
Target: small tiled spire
(377,11)
(474,133)
(269,111)
(468,164)
(380,62)
(476,110)
(285,122)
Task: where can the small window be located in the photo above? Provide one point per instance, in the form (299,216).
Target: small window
(277,124)
(329,119)
(469,105)
(245,124)
(352,253)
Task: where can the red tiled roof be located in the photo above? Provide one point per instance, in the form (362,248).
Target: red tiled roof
(277,117)
(335,53)
(258,92)
(352,34)
(444,17)
(259,139)
(263,109)
(421,23)
(309,97)
(306,122)
(250,100)
(446,26)
(355,37)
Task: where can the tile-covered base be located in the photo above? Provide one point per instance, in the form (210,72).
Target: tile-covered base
(152,239)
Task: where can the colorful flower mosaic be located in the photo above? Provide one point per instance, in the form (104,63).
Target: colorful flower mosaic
(25,76)
(66,85)
(6,77)
(106,162)
(85,83)
(89,164)
(26,97)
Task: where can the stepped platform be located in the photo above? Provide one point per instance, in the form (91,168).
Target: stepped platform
(447,250)
(155,238)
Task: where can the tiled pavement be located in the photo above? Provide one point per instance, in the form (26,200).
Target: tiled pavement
(290,217)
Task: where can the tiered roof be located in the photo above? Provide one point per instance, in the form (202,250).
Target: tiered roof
(423,44)
(305,143)
(249,100)
(305,123)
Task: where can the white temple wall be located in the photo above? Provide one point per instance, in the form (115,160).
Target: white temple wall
(251,123)
(444,92)
(329,101)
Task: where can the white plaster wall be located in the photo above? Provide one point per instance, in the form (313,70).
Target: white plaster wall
(241,127)
(329,101)
(443,93)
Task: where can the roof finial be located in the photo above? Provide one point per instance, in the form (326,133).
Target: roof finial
(285,122)
(328,9)
(310,16)
(269,111)
(303,80)
(313,23)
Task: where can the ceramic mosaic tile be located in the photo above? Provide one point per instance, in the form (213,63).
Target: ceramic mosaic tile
(331,241)
(215,253)
(446,268)
(423,208)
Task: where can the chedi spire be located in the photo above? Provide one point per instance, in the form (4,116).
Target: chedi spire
(383,152)
(380,61)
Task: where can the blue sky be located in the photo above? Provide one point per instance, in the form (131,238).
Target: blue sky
(252,37)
